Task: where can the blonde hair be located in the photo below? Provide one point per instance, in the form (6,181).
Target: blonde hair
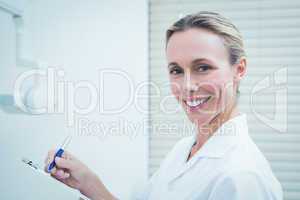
(217,24)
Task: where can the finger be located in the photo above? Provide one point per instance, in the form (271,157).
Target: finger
(64,163)
(46,168)
(67,175)
(52,171)
(67,155)
(62,178)
(50,155)
(61,174)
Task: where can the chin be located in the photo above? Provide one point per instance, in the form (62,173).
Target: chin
(200,119)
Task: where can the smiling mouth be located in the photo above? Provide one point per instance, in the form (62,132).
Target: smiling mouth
(195,103)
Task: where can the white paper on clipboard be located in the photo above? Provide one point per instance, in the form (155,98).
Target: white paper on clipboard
(44,186)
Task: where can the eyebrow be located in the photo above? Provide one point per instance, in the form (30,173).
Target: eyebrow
(201,60)
(172,64)
(193,62)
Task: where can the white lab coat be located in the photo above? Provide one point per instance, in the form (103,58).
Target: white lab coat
(229,166)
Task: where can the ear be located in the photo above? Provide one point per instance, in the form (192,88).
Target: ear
(240,69)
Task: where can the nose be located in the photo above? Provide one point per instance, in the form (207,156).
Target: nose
(190,84)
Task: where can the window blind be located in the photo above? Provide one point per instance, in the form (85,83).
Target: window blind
(269,93)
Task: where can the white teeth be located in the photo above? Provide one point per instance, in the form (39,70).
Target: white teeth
(197,102)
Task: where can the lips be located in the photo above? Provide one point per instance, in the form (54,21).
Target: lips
(196,103)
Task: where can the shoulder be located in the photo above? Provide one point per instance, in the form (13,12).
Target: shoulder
(244,184)
(176,151)
(180,146)
(233,177)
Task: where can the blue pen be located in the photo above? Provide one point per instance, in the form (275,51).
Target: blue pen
(60,152)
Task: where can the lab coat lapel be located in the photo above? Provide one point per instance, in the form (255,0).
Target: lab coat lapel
(182,165)
(225,138)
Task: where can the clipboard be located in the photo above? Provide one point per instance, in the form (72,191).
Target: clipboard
(42,186)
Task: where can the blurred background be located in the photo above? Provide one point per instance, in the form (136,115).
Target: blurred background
(269,93)
(80,39)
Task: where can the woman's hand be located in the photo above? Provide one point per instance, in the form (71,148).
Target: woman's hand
(72,172)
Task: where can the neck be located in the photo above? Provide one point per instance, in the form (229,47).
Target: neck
(206,131)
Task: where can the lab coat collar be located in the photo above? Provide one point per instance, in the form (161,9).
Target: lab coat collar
(225,137)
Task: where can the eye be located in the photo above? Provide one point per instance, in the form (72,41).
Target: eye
(202,68)
(175,70)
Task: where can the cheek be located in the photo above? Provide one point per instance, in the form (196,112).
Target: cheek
(176,88)
(214,85)
(224,91)
(217,83)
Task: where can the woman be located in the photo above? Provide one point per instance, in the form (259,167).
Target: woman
(206,62)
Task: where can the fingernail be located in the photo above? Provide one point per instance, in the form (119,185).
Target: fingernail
(67,175)
(57,159)
(53,171)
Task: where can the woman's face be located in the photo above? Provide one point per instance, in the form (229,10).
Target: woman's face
(202,79)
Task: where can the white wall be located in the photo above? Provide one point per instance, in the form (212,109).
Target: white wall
(79,37)
(16,5)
